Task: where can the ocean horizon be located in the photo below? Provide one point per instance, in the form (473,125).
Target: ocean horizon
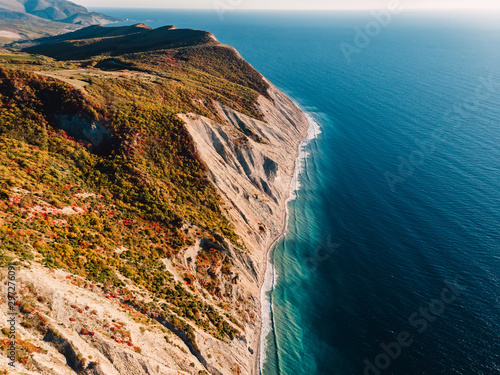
(390,262)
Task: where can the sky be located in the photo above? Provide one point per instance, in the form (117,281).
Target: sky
(293,4)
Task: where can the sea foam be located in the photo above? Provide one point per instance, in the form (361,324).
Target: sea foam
(271,276)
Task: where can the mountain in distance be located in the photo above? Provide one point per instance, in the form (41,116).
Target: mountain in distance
(53,10)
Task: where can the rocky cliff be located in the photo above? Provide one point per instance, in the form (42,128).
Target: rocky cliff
(252,163)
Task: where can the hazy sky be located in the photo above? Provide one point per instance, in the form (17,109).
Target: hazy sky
(294,4)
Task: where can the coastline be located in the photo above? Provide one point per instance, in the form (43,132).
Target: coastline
(270,273)
(256,182)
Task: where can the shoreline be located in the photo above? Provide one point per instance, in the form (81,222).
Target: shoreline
(270,275)
(277,163)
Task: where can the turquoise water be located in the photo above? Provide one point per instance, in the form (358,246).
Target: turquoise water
(391,261)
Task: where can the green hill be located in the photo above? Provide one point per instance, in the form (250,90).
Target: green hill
(114,41)
(93,32)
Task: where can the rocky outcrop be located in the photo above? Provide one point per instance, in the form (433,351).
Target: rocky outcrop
(84,128)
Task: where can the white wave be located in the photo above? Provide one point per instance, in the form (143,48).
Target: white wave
(266,312)
(271,276)
(313,132)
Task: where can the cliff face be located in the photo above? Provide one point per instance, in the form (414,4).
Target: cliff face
(139,235)
(252,164)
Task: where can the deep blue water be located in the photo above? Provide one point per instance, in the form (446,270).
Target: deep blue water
(400,200)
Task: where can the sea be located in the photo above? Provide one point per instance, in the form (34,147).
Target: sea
(391,259)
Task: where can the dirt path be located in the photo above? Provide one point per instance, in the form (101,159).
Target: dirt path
(79,78)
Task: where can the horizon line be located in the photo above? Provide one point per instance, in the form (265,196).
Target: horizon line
(291,9)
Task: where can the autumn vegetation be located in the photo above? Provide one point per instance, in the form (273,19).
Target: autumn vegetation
(115,210)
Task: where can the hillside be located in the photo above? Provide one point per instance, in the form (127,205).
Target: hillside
(143,178)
